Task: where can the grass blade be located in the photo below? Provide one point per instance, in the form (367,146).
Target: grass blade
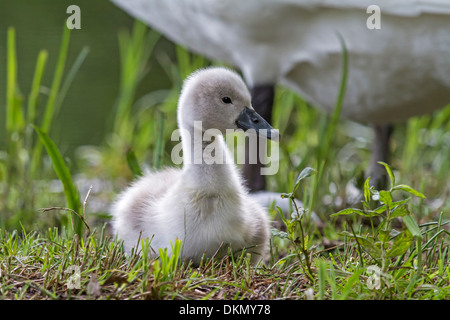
(50,109)
(70,76)
(56,84)
(348,288)
(133,164)
(37,78)
(14,115)
(159,147)
(322,278)
(328,131)
(70,191)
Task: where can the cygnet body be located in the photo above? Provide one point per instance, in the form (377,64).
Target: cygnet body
(204,204)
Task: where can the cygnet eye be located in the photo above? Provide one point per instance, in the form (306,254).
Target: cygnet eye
(226,100)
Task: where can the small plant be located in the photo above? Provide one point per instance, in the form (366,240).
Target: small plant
(295,228)
(385,243)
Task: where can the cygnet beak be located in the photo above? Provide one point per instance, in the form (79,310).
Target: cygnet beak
(250,119)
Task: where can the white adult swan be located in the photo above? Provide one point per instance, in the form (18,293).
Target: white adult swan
(397,71)
(204,204)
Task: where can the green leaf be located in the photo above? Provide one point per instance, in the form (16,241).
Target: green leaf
(369,246)
(389,171)
(407,188)
(401,243)
(412,226)
(399,211)
(384,235)
(380,209)
(307,172)
(367,190)
(383,208)
(280,234)
(350,211)
(400,202)
(386,198)
(286,195)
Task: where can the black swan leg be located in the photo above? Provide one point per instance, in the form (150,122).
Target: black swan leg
(380,152)
(262,102)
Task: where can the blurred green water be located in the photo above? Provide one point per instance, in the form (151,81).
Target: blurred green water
(85,114)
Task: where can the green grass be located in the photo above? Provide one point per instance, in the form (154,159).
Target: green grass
(21,164)
(389,244)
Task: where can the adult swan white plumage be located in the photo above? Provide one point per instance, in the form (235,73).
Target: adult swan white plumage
(395,72)
(204,204)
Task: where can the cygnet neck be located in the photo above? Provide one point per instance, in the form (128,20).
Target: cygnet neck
(207,162)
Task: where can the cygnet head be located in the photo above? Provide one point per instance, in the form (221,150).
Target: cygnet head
(219,98)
